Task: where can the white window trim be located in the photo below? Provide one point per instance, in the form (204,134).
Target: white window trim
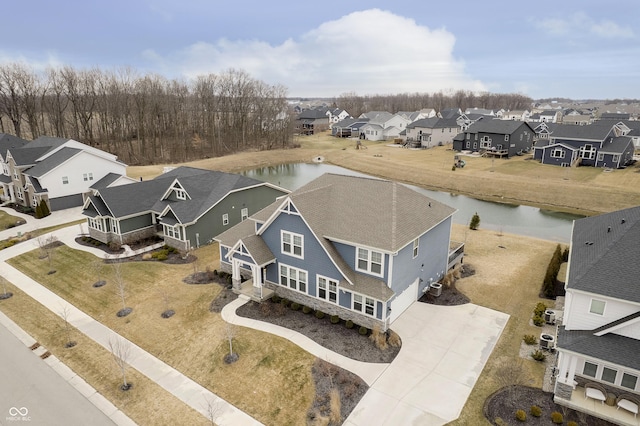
(96,223)
(555,151)
(416,247)
(601,156)
(244,214)
(369,262)
(172,231)
(225,219)
(292,235)
(297,278)
(629,374)
(327,289)
(181,194)
(364,304)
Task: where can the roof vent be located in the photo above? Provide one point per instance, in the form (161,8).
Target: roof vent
(589,243)
(622,221)
(609,229)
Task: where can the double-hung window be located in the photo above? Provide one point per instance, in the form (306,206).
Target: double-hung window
(557,153)
(293,278)
(244,213)
(225,219)
(369,261)
(416,246)
(328,289)
(364,304)
(292,244)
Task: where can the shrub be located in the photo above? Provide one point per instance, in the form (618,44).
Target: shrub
(378,338)
(499,422)
(530,339)
(275,298)
(572,423)
(295,306)
(550,277)
(335,319)
(557,418)
(363,330)
(348,324)
(535,411)
(146,256)
(162,256)
(521,416)
(394,339)
(306,310)
(539,309)
(319,314)
(285,302)
(538,321)
(538,355)
(44,208)
(475,222)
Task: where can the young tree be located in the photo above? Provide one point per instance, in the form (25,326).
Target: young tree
(475,222)
(47,245)
(44,208)
(230,332)
(213,411)
(64,314)
(121,351)
(121,289)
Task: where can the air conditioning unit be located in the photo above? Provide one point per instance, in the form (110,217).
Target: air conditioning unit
(435,289)
(547,342)
(549,316)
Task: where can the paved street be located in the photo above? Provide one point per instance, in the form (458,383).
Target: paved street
(32,393)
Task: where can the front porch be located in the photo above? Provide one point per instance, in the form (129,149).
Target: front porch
(257,294)
(596,408)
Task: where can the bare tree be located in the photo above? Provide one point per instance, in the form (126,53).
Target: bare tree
(230,332)
(213,411)
(97,269)
(168,312)
(64,314)
(121,288)
(47,245)
(511,375)
(5,294)
(121,351)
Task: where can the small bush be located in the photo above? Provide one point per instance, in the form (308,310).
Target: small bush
(535,411)
(306,310)
(162,256)
(348,324)
(319,314)
(295,306)
(557,418)
(572,423)
(285,302)
(538,321)
(499,422)
(530,339)
(146,256)
(475,222)
(538,355)
(335,319)
(521,416)
(539,309)
(363,330)
(275,298)
(394,339)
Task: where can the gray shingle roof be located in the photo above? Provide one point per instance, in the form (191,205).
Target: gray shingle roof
(52,161)
(105,181)
(611,347)
(604,255)
(26,156)
(8,141)
(616,145)
(501,127)
(597,132)
(434,123)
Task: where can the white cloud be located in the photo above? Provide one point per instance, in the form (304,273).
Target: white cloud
(367,52)
(48,60)
(580,23)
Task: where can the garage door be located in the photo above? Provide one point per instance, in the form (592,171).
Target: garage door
(404,300)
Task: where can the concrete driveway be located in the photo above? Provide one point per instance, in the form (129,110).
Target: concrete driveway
(444,349)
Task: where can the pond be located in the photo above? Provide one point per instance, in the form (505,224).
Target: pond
(508,218)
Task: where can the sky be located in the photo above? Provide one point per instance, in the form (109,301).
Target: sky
(543,49)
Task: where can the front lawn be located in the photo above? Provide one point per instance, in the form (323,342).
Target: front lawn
(271,381)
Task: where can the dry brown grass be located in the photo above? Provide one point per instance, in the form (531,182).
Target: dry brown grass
(517,180)
(508,280)
(146,403)
(271,380)
(334,403)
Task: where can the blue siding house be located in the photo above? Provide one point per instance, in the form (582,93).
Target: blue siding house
(360,248)
(596,145)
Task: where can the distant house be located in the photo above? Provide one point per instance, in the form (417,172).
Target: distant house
(383,125)
(187,207)
(481,111)
(336,115)
(593,145)
(619,116)
(314,120)
(361,248)
(349,128)
(55,170)
(500,137)
(550,116)
(599,339)
(519,115)
(430,132)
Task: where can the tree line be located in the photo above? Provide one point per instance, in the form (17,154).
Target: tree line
(355,104)
(146,118)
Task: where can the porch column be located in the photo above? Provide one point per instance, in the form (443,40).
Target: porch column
(257,281)
(236,278)
(563,367)
(572,372)
(565,383)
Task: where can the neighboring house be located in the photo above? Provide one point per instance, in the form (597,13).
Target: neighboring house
(618,116)
(185,206)
(594,145)
(361,248)
(450,113)
(58,171)
(383,125)
(579,119)
(481,111)
(349,127)
(430,132)
(312,121)
(599,339)
(500,137)
(418,115)
(519,115)
(550,116)
(336,115)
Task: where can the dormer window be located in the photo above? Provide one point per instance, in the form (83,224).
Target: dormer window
(181,194)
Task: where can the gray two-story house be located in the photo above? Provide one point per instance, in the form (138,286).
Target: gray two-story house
(360,248)
(504,138)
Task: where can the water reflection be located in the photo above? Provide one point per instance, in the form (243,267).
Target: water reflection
(508,218)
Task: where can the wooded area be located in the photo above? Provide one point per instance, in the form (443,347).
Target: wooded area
(148,118)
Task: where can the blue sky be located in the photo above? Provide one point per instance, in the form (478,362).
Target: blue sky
(577,49)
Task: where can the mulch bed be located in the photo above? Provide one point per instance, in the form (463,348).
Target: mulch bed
(450,295)
(506,401)
(336,337)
